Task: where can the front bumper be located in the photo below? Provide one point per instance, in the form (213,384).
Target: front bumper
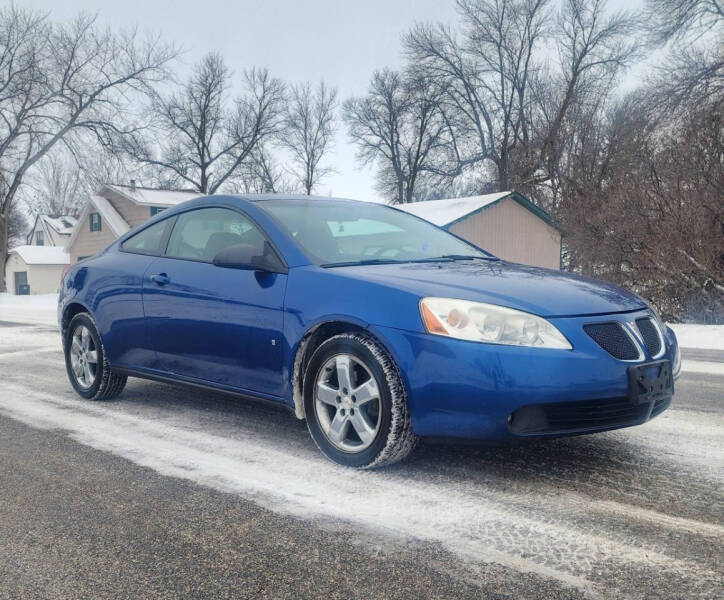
(470,390)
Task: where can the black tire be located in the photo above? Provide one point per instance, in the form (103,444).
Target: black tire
(106,384)
(394,439)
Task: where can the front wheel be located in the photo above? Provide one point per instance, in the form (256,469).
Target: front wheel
(86,363)
(355,403)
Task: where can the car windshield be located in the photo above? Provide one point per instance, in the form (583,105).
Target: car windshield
(338,233)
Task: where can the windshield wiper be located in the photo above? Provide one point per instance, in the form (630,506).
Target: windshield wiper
(368,261)
(392,261)
(463,257)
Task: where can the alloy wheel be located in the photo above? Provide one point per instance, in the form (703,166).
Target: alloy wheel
(347,403)
(83,357)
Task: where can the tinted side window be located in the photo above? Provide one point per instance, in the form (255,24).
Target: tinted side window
(147,241)
(201,234)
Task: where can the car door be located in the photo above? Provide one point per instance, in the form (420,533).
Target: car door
(118,302)
(215,324)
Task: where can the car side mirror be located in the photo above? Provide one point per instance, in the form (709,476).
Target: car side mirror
(246,256)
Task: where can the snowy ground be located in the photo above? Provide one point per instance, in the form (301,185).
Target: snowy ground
(29,309)
(632,513)
(705,337)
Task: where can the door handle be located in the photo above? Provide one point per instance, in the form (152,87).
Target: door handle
(160,278)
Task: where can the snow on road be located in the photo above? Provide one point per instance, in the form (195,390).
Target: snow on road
(643,502)
(559,535)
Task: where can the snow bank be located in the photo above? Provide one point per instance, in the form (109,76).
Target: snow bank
(705,337)
(38,309)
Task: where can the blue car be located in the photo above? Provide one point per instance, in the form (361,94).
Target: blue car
(375,326)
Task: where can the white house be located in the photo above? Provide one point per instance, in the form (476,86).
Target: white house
(35,269)
(506,223)
(51,231)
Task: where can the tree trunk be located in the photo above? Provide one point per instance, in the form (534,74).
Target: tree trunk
(400,191)
(4,229)
(503,172)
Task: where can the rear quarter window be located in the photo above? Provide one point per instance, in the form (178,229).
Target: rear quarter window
(147,241)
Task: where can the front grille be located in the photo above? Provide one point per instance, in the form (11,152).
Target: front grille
(570,417)
(613,339)
(650,335)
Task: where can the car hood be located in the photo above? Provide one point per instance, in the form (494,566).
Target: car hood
(544,292)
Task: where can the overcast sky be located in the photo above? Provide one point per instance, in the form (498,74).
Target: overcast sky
(339,41)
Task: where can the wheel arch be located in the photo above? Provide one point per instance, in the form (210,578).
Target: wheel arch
(69,311)
(310,341)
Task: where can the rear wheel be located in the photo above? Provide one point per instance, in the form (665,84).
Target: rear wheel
(355,403)
(85,361)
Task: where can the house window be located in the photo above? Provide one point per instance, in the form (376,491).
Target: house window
(157,209)
(39,238)
(95,222)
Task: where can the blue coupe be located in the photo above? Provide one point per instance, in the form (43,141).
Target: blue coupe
(375,326)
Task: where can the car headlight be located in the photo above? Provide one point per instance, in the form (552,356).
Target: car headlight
(489,323)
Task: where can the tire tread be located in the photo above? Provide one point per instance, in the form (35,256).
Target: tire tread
(401,440)
(112,384)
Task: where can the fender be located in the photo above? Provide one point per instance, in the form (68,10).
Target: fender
(297,353)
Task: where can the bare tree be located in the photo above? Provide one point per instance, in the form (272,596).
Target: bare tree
(201,138)
(60,82)
(399,126)
(61,181)
(642,206)
(485,76)
(693,68)
(56,187)
(309,128)
(490,75)
(635,183)
(674,19)
(261,174)
(593,48)
(17,227)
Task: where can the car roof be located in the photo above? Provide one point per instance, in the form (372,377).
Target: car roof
(294,197)
(240,200)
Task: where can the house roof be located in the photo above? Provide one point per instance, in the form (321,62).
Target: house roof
(449,211)
(109,215)
(42,255)
(63,225)
(154,197)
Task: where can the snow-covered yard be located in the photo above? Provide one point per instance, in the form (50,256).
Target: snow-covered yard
(40,309)
(705,337)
